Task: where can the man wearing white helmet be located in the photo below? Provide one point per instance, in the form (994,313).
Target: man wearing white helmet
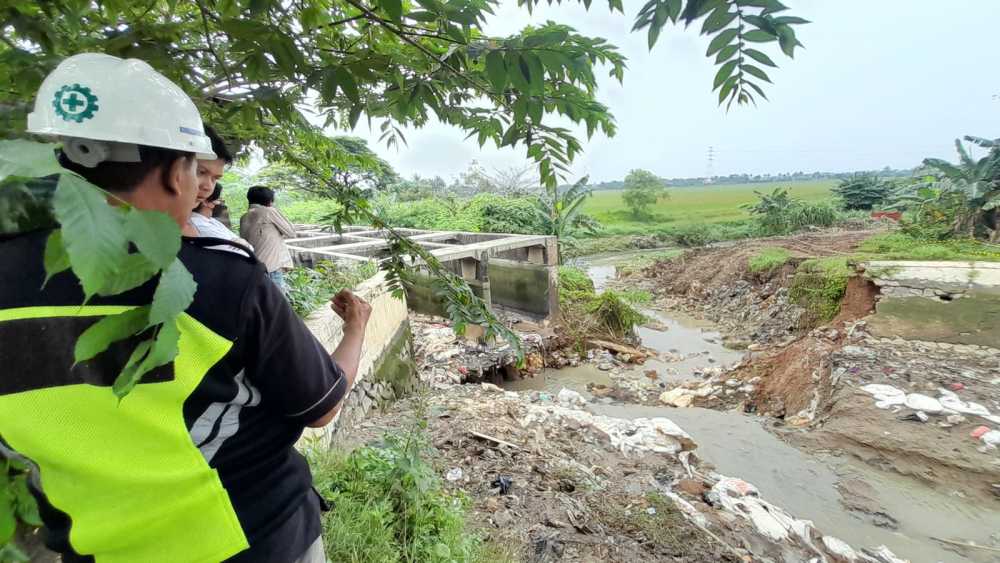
(197,462)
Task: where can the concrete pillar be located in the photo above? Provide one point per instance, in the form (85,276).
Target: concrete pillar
(536,255)
(469,268)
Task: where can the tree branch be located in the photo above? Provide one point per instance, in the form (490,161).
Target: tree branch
(211,47)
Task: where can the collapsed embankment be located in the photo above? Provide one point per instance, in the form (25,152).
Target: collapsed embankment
(905,375)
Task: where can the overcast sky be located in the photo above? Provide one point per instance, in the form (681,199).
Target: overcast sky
(879,83)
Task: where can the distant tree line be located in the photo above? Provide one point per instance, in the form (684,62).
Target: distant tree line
(886,172)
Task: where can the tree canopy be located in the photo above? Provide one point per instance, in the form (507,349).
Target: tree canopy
(262,70)
(642,189)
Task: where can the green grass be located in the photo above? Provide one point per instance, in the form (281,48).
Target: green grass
(819,285)
(390,506)
(768,260)
(899,246)
(693,205)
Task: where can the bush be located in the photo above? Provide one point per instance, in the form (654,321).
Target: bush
(482,213)
(614,313)
(310,288)
(818,286)
(575,281)
(768,260)
(388,506)
(777,213)
(863,191)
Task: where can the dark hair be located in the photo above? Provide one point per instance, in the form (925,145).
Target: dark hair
(261,195)
(216,193)
(218,146)
(125,176)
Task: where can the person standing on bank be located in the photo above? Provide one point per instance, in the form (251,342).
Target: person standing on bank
(198,462)
(266,229)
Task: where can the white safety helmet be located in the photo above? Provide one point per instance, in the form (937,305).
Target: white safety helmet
(102,107)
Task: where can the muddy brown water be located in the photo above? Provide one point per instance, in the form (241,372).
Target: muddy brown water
(804,484)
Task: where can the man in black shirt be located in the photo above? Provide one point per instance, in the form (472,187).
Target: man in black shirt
(197,462)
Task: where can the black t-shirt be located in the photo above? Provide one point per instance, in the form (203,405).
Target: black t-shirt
(244,414)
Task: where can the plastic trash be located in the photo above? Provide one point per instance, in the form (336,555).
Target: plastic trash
(503,482)
(885,395)
(919,402)
(991,438)
(955,404)
(570,398)
(956,386)
(453,474)
(979,431)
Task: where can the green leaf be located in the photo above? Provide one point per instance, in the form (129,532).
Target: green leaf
(719,19)
(726,53)
(155,234)
(355,114)
(496,70)
(173,294)
(394,8)
(328,85)
(537,80)
(133,271)
(759,57)
(129,377)
(790,20)
(8,523)
(111,328)
(28,159)
(758,36)
(754,71)
(727,88)
(55,258)
(93,232)
(422,16)
(348,85)
(756,88)
(724,73)
(150,354)
(721,40)
(27,508)
(787,40)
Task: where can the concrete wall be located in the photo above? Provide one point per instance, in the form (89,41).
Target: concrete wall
(952,302)
(519,285)
(386,371)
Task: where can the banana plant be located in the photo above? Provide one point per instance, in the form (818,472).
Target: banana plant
(560,213)
(977,182)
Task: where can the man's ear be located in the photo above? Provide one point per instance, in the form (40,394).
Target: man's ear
(173,178)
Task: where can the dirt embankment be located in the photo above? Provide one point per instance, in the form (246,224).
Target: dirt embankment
(716,283)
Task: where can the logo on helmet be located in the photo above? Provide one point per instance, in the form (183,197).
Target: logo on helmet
(75,103)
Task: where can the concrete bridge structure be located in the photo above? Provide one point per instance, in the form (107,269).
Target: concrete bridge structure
(513,273)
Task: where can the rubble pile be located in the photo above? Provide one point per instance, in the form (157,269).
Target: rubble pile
(445,358)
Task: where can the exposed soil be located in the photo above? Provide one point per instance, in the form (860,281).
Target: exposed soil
(702,270)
